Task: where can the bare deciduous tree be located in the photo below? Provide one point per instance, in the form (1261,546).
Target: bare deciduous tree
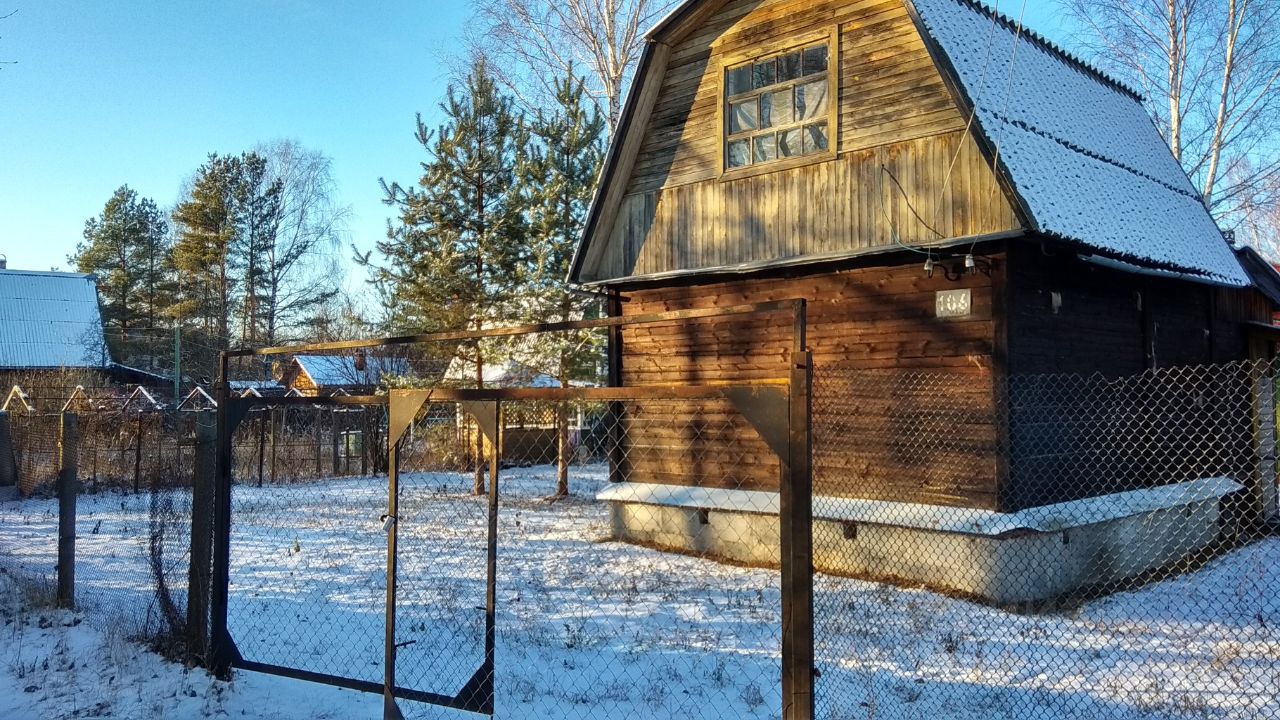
(300,261)
(1210,70)
(540,42)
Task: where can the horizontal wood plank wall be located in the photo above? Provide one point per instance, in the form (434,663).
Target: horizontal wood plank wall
(902,399)
(894,112)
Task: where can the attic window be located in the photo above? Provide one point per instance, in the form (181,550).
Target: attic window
(778,107)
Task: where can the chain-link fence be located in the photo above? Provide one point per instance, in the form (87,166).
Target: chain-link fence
(307,560)
(608,602)
(1070,546)
(1049,546)
(131,520)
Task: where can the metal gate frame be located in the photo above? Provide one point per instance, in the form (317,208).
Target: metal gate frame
(780,409)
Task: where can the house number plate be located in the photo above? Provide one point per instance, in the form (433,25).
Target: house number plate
(954,303)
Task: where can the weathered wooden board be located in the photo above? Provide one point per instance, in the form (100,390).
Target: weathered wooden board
(905,168)
(902,399)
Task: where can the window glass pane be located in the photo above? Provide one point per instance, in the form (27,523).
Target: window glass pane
(811,100)
(789,66)
(739,153)
(776,109)
(765,149)
(738,79)
(790,143)
(765,73)
(815,138)
(743,116)
(815,59)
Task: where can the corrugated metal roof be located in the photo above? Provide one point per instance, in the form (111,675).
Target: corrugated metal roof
(50,320)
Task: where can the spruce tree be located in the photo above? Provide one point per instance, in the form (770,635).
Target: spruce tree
(124,246)
(455,254)
(560,178)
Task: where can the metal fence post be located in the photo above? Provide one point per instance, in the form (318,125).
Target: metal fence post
(262,444)
(221,649)
(391,711)
(8,460)
(202,512)
(137,459)
(795,499)
(67,441)
(335,435)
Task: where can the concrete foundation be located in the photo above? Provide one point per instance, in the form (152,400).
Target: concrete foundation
(1007,567)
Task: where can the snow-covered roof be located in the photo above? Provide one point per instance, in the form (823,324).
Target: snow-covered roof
(340,370)
(1078,148)
(50,320)
(503,374)
(242,385)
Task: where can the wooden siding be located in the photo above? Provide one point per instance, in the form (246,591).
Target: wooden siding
(849,204)
(889,87)
(877,346)
(894,112)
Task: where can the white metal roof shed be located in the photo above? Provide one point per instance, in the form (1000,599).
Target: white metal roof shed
(50,320)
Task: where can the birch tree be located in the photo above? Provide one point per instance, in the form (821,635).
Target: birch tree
(1210,70)
(298,264)
(538,42)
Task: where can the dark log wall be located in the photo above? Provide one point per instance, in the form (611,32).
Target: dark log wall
(902,399)
(1086,416)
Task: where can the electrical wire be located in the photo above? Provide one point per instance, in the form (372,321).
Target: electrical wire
(973,111)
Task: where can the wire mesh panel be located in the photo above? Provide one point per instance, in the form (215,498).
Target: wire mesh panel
(442,580)
(1060,546)
(307,573)
(637,546)
(35,451)
(132,528)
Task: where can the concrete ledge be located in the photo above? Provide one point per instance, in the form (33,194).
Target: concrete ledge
(1067,546)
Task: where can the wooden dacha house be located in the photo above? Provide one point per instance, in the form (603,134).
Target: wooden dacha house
(963,205)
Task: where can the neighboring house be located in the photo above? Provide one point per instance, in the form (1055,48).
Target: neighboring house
(326,375)
(257,388)
(951,192)
(52,341)
(50,321)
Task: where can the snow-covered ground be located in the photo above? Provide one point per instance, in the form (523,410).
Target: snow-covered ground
(588,628)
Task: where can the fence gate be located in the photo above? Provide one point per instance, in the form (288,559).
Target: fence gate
(441,566)
(298,557)
(389,584)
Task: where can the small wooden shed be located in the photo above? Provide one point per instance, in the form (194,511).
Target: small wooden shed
(951,192)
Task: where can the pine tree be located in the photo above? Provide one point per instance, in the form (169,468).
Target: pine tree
(203,254)
(560,178)
(124,246)
(455,254)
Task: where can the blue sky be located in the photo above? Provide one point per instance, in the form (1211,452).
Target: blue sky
(140,91)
